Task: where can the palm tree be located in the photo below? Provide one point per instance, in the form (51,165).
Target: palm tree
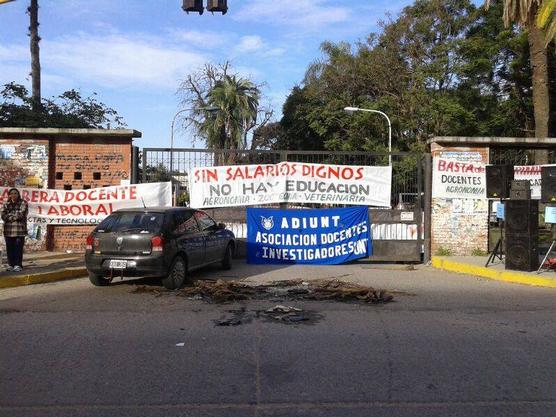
(546,19)
(524,12)
(238,101)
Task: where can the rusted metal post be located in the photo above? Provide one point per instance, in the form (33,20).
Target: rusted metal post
(428,207)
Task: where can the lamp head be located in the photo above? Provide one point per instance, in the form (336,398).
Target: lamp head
(351,110)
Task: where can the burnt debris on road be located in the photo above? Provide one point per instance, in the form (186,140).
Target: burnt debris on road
(221,291)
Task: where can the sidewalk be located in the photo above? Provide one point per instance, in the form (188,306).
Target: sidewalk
(475,265)
(42,267)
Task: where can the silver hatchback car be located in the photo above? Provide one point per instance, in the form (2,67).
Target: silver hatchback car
(165,242)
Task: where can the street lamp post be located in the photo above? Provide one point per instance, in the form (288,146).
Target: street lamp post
(208,109)
(354,109)
(172,141)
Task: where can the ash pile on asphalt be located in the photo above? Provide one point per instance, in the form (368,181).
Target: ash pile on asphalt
(277,314)
(320,290)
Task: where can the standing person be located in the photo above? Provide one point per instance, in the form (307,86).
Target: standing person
(14,215)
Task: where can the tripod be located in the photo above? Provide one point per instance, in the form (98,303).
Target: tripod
(548,252)
(498,251)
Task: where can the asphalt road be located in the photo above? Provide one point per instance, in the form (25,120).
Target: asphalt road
(451,345)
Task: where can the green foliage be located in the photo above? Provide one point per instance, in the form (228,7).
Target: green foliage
(68,110)
(237,100)
(183,198)
(546,18)
(444,68)
(237,104)
(298,125)
(156,173)
(443,252)
(478,252)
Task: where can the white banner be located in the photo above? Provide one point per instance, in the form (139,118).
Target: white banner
(531,173)
(78,207)
(458,178)
(290,182)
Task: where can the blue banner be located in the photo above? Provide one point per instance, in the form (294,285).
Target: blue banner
(313,236)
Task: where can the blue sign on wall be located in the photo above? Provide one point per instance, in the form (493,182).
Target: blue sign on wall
(550,214)
(314,236)
(500,211)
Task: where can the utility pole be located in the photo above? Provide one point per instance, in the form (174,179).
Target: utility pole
(33,11)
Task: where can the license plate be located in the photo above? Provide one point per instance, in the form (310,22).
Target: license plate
(117,264)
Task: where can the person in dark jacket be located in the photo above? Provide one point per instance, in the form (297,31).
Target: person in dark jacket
(14,215)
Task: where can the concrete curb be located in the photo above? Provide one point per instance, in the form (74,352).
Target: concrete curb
(41,278)
(515,277)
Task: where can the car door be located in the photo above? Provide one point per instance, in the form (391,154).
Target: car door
(214,237)
(189,237)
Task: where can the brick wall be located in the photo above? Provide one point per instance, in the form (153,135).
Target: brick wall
(456,231)
(91,164)
(69,238)
(24,163)
(459,225)
(82,164)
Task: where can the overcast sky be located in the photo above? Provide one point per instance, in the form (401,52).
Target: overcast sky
(134,53)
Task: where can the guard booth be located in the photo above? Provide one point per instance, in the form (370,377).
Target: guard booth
(399,232)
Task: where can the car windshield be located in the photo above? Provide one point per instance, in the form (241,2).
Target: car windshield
(132,222)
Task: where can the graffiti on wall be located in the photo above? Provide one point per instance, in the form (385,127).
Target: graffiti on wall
(23,164)
(459,219)
(105,163)
(7,151)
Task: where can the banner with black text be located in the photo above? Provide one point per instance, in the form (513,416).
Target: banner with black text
(290,182)
(457,177)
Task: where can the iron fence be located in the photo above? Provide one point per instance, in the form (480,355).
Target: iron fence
(517,156)
(156,163)
(396,238)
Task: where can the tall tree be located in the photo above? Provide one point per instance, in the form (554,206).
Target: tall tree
(33,11)
(410,71)
(236,99)
(524,12)
(442,67)
(68,110)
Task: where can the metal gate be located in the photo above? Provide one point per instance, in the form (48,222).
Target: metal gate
(398,233)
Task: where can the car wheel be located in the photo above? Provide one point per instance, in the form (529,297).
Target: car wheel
(227,259)
(98,280)
(176,277)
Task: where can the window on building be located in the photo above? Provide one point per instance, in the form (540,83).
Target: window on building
(59,175)
(67,186)
(96,175)
(87,186)
(77,175)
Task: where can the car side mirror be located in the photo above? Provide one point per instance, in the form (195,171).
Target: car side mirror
(221,226)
